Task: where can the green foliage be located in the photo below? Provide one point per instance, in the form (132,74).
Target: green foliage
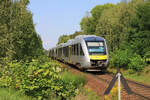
(141,24)
(76,79)
(98,10)
(11,94)
(72,36)
(147,57)
(39,78)
(127,59)
(63,39)
(32,78)
(18,38)
(136,63)
(88,23)
(120,58)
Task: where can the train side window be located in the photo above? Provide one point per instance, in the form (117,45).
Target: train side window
(67,51)
(81,51)
(74,51)
(63,51)
(58,51)
(71,49)
(77,49)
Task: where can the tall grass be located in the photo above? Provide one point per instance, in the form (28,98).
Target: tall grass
(10,94)
(77,80)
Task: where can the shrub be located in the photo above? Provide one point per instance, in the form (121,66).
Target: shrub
(136,63)
(120,58)
(32,78)
(147,57)
(39,78)
(127,59)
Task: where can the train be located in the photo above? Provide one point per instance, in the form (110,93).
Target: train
(87,52)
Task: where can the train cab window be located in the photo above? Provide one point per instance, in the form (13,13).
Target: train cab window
(96,47)
(81,51)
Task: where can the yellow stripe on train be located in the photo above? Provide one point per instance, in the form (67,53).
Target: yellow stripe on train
(98,57)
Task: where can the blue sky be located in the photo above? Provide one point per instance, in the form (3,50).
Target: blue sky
(56,17)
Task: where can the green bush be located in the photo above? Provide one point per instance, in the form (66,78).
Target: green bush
(32,78)
(136,63)
(120,58)
(39,78)
(128,60)
(147,57)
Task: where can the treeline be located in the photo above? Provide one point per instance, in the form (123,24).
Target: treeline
(18,38)
(126,28)
(124,25)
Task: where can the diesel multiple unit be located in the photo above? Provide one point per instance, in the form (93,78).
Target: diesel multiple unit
(88,52)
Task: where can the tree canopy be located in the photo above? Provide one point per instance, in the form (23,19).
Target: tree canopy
(123,25)
(18,38)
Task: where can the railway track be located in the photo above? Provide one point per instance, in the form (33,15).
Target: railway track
(138,89)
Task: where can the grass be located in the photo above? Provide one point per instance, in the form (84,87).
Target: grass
(87,94)
(10,94)
(78,80)
(139,77)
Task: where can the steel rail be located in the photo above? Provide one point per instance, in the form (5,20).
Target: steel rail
(106,81)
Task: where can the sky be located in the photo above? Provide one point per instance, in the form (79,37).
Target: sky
(53,18)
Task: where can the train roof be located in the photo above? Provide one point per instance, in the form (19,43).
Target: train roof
(90,38)
(84,36)
(94,39)
(80,37)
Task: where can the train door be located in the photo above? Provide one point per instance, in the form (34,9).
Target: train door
(69,56)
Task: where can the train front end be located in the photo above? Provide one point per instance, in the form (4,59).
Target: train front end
(97,53)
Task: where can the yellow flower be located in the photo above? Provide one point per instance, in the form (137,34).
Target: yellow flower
(107,97)
(89,90)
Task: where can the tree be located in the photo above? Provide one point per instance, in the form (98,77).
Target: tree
(88,23)
(63,39)
(18,38)
(141,36)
